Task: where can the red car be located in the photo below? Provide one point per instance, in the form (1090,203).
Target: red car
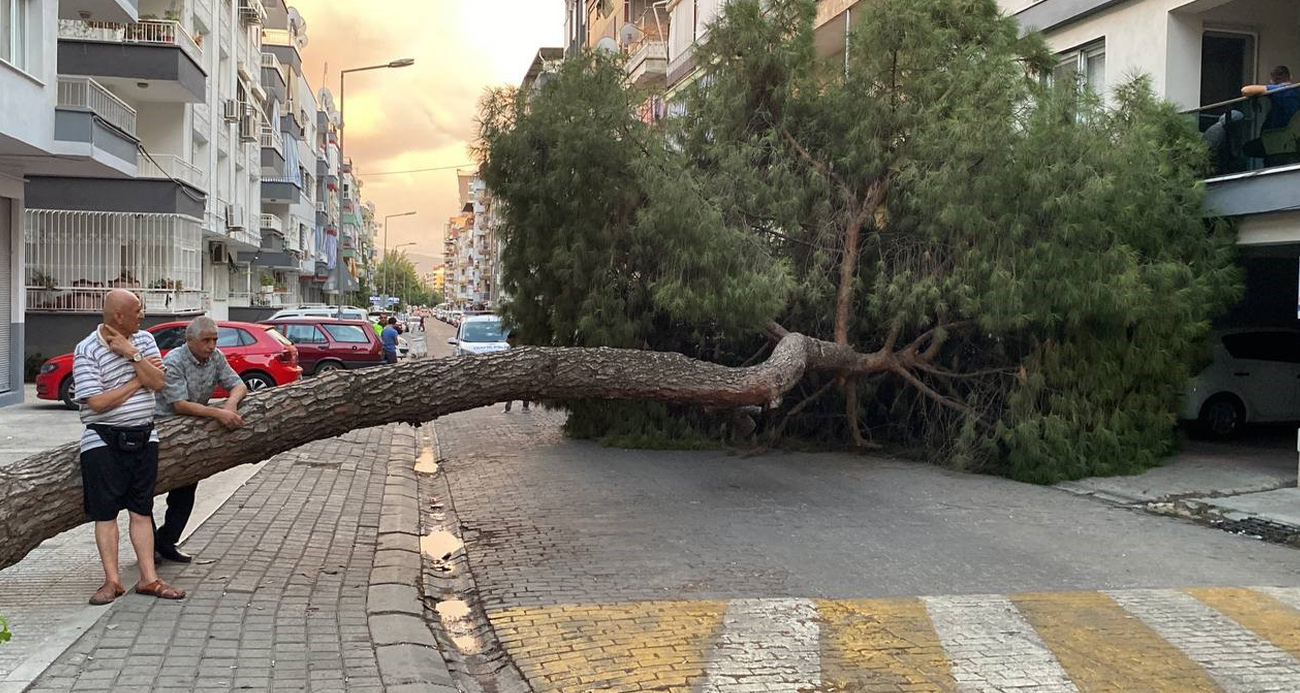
(260,355)
(329,344)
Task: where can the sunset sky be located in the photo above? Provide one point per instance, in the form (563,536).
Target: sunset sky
(421,116)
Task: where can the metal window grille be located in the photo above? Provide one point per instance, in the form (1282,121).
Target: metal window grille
(75,258)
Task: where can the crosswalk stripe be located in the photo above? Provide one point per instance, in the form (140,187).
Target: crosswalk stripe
(1287,595)
(1104,649)
(766,645)
(1240,660)
(868,644)
(1260,612)
(610,647)
(992,648)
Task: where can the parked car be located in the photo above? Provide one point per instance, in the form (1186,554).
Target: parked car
(1252,378)
(453,317)
(326,344)
(261,356)
(346,312)
(479,334)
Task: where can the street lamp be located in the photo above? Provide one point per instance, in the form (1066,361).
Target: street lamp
(401,62)
(387,269)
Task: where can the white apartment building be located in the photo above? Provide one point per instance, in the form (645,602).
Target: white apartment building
(471,245)
(1199,53)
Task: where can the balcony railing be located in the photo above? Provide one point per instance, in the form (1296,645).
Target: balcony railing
(75,258)
(272,139)
(84,92)
(173,167)
(146,32)
(252,11)
(271,62)
(271,222)
(1247,134)
(277,37)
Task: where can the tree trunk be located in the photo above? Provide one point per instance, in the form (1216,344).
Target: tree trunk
(40,496)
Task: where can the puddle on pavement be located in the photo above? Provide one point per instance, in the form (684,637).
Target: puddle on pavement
(455,616)
(440,544)
(425,463)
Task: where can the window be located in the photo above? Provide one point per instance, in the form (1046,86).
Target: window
(170,338)
(1086,65)
(303,334)
(233,337)
(348,334)
(482,331)
(13,32)
(1283,347)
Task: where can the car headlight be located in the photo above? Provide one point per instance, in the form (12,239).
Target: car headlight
(48,368)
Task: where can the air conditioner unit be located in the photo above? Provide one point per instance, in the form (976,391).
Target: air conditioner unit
(235,217)
(230,110)
(248,130)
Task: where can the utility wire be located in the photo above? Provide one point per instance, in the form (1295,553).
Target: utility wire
(414,170)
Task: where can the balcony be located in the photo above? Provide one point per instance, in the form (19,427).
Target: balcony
(277,37)
(149,61)
(270,222)
(647,62)
(272,149)
(273,76)
(173,168)
(107,10)
(1254,153)
(252,12)
(75,258)
(281,190)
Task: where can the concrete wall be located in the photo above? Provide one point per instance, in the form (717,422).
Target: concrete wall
(12,190)
(27,99)
(163,129)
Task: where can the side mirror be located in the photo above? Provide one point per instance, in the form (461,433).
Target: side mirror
(451,341)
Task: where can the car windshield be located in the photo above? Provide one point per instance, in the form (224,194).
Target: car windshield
(482,331)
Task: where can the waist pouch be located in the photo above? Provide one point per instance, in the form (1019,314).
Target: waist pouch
(125,439)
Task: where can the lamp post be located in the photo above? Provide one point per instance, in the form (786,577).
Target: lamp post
(388,269)
(338,260)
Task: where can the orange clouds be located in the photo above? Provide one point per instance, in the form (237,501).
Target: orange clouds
(421,116)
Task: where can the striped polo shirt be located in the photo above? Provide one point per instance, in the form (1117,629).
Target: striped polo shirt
(96,370)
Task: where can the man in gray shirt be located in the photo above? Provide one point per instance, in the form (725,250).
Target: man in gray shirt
(193,372)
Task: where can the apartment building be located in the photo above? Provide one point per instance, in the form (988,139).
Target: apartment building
(471,245)
(1199,54)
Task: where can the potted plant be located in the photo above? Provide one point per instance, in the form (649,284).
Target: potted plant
(268,284)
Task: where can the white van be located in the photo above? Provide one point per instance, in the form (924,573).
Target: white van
(348,313)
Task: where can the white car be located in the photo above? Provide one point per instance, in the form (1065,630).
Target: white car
(479,334)
(348,313)
(1254,378)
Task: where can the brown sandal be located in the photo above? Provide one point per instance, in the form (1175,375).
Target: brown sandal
(106,594)
(160,589)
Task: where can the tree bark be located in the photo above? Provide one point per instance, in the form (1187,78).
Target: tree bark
(41,496)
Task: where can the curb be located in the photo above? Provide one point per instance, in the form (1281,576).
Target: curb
(405,648)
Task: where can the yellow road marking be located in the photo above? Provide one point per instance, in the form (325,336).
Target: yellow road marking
(611,647)
(1267,617)
(879,642)
(1103,648)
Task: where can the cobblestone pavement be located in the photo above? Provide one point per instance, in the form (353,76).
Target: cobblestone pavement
(284,603)
(611,570)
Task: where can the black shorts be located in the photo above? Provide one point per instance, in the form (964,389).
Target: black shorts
(112,481)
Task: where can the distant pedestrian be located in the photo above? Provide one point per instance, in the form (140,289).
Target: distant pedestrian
(193,372)
(389,338)
(116,370)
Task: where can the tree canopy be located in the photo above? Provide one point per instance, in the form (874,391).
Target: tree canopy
(1031,258)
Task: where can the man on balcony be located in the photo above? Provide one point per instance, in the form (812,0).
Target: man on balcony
(116,370)
(1284,103)
(193,372)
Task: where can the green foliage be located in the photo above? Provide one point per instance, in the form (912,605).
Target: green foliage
(642,425)
(1053,243)
(404,281)
(5,635)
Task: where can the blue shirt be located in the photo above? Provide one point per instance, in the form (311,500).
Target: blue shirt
(1284,106)
(389,337)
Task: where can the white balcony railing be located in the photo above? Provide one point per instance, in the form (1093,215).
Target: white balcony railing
(169,166)
(147,32)
(272,139)
(277,37)
(84,92)
(272,223)
(271,62)
(75,258)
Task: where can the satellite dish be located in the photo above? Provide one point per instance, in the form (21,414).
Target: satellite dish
(627,34)
(607,45)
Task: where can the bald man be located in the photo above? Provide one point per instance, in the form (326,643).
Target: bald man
(116,370)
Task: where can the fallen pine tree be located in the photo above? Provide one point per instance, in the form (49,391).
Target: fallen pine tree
(41,496)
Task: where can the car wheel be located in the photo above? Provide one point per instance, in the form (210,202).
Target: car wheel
(67,395)
(1222,416)
(327,366)
(257,381)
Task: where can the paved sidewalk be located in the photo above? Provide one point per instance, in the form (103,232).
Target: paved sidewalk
(285,603)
